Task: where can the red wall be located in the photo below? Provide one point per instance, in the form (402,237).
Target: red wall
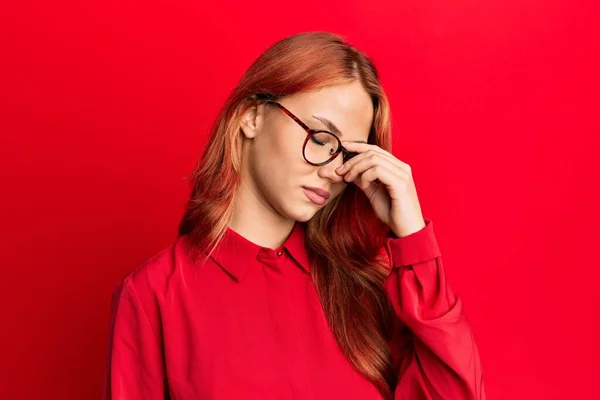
(104,109)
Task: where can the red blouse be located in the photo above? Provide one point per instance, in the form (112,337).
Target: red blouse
(249,325)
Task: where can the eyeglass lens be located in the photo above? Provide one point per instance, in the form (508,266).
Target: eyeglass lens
(320,147)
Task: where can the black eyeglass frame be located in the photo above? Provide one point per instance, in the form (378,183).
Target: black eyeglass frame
(347,154)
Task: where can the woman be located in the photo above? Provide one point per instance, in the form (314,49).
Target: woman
(304,268)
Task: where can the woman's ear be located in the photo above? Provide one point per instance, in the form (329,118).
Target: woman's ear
(251,121)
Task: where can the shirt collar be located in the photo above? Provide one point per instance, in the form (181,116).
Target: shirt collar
(237,255)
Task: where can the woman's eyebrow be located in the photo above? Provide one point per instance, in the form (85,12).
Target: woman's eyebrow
(330,125)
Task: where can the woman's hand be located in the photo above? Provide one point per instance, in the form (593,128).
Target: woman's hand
(388,184)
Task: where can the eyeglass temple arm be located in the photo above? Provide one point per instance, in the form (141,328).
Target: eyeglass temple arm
(268,99)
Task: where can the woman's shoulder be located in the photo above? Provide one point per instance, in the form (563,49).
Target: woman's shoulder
(141,294)
(157,272)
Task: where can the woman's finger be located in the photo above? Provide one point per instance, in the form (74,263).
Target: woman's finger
(382,173)
(370,160)
(365,148)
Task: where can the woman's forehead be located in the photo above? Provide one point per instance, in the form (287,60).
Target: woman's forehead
(348,107)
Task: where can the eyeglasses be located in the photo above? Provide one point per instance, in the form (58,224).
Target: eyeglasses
(320,146)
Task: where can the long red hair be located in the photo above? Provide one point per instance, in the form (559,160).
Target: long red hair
(344,239)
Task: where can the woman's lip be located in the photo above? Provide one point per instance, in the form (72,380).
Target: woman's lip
(314,197)
(321,192)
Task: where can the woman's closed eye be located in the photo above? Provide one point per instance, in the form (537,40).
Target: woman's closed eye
(318,142)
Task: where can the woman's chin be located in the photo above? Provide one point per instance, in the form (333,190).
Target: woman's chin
(303,212)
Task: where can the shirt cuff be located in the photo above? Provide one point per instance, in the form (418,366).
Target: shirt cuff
(415,248)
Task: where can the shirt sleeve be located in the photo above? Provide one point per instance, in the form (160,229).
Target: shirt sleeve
(134,368)
(435,352)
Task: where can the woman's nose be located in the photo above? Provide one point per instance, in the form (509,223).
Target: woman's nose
(328,171)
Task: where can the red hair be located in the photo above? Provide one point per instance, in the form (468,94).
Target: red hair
(345,238)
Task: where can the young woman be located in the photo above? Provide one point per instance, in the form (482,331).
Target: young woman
(304,268)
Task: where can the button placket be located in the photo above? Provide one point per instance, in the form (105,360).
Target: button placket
(285,325)
(272,258)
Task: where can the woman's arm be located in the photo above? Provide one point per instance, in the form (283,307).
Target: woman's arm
(135,366)
(441,360)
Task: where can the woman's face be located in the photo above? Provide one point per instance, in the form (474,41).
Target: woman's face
(274,168)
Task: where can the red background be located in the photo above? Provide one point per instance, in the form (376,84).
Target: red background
(104,108)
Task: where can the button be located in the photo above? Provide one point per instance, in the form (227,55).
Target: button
(279,253)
